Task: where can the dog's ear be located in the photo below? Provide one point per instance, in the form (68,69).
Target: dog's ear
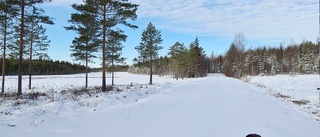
(253,135)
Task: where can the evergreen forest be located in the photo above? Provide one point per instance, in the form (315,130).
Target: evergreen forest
(43,67)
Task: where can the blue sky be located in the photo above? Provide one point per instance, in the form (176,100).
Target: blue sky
(215,22)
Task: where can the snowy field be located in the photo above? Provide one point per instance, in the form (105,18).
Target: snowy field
(298,90)
(214,106)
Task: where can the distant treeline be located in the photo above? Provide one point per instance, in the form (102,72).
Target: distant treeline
(43,67)
(302,58)
(117,68)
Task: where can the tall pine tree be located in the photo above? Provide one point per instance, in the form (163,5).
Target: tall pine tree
(35,35)
(149,46)
(8,11)
(115,39)
(110,13)
(25,6)
(175,52)
(196,60)
(86,44)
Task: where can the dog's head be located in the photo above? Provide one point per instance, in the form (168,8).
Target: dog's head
(253,135)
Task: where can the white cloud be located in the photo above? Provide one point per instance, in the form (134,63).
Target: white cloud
(263,20)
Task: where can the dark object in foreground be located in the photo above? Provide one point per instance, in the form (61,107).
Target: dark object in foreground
(253,135)
(11,125)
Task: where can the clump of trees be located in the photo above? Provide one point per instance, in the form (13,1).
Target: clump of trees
(300,58)
(294,58)
(180,62)
(22,32)
(96,24)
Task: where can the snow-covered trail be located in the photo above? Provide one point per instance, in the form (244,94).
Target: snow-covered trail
(214,106)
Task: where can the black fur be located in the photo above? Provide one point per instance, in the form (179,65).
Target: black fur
(253,135)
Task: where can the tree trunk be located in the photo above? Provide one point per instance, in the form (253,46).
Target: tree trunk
(252,69)
(150,64)
(177,75)
(86,84)
(4,54)
(30,62)
(21,50)
(112,68)
(104,85)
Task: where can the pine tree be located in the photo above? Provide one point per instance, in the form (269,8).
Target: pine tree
(25,7)
(86,44)
(149,46)
(196,60)
(114,47)
(248,62)
(35,35)
(8,11)
(110,13)
(183,62)
(35,41)
(192,57)
(175,53)
(229,64)
(273,63)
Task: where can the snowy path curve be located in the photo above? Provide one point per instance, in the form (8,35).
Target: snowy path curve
(214,106)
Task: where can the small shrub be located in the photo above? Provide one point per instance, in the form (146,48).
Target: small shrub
(129,87)
(97,89)
(8,95)
(119,90)
(110,88)
(64,92)
(301,102)
(34,95)
(261,86)
(6,113)
(279,95)
(80,91)
(19,102)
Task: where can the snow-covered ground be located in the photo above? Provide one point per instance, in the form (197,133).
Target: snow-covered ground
(213,106)
(299,90)
(62,82)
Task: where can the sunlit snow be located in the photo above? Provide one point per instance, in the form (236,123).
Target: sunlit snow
(214,106)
